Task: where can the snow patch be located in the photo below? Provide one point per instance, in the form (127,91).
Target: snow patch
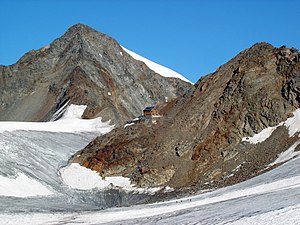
(128,124)
(79,177)
(82,178)
(22,186)
(168,189)
(287,155)
(74,112)
(70,122)
(292,124)
(121,53)
(163,71)
(261,136)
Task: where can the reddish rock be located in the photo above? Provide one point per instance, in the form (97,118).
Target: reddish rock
(199,139)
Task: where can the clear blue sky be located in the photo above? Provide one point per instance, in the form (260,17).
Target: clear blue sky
(193,37)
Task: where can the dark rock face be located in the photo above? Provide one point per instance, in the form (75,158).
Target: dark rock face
(85,67)
(199,139)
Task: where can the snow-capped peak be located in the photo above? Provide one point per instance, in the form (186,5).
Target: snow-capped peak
(164,71)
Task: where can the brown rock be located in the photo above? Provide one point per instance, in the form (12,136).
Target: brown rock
(200,136)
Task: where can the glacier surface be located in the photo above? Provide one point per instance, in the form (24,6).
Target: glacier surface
(32,190)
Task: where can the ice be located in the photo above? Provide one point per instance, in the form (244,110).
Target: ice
(33,159)
(164,71)
(27,158)
(270,195)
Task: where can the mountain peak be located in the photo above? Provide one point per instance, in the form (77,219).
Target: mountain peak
(84,67)
(79,25)
(260,48)
(80,29)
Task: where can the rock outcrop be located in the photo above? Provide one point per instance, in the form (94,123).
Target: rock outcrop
(83,67)
(198,141)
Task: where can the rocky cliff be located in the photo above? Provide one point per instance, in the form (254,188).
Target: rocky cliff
(198,141)
(82,67)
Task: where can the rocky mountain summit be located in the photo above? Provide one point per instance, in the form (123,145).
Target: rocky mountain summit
(82,67)
(199,140)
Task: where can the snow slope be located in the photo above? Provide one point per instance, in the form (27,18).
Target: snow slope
(22,186)
(164,71)
(24,161)
(70,122)
(288,154)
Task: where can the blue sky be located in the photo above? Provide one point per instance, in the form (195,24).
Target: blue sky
(193,37)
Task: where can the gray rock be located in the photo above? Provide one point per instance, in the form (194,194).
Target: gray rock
(85,67)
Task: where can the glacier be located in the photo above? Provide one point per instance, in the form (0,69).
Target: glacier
(274,194)
(32,190)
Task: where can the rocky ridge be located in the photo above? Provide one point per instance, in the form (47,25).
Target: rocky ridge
(198,141)
(82,67)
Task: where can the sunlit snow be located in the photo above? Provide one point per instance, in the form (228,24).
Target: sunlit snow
(22,186)
(261,136)
(292,124)
(70,122)
(289,215)
(164,71)
(82,178)
(241,203)
(34,164)
(287,155)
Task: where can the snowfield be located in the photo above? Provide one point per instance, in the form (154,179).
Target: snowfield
(163,71)
(13,181)
(22,186)
(70,122)
(38,186)
(287,155)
